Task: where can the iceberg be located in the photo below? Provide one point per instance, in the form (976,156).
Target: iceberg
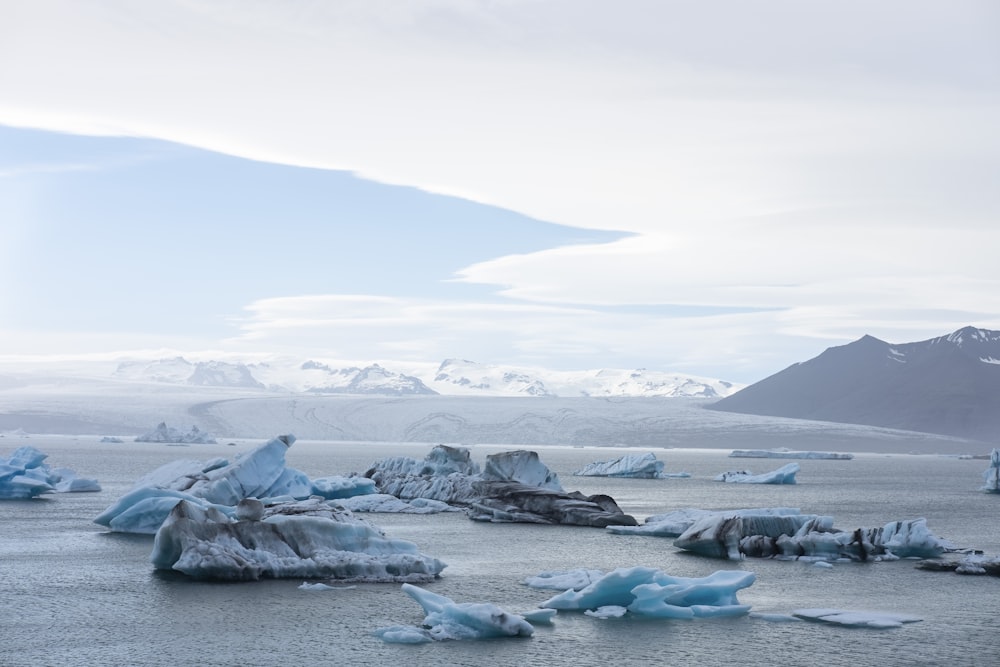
(26,475)
(785,453)
(974,563)
(991,476)
(447,619)
(513,486)
(336,487)
(734,536)
(165,434)
(641,466)
(645,591)
(783,475)
(260,473)
(300,539)
(675,523)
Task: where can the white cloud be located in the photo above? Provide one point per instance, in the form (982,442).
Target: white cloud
(772,155)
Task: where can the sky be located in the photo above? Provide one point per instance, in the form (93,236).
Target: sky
(721,188)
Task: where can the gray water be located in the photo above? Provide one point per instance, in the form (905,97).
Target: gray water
(74,594)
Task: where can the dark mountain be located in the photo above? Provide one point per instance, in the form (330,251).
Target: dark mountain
(948,385)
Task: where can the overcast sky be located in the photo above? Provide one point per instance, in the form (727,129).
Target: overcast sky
(720,188)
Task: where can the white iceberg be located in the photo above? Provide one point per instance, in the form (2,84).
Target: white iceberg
(446,619)
(641,466)
(783,475)
(645,591)
(303,539)
(564,580)
(974,563)
(796,536)
(168,435)
(25,475)
(856,619)
(785,453)
(991,476)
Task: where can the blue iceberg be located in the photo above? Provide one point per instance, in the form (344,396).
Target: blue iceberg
(447,619)
(25,475)
(645,591)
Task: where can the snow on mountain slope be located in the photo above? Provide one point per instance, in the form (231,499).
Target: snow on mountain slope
(453,377)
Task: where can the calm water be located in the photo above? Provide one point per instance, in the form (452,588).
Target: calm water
(73,594)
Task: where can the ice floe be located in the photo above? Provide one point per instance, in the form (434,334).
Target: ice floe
(856,619)
(446,619)
(785,453)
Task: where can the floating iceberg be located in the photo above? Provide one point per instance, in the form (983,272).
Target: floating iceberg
(975,563)
(342,487)
(785,453)
(642,466)
(673,524)
(783,475)
(25,475)
(447,619)
(302,539)
(260,473)
(166,434)
(795,536)
(991,476)
(514,486)
(646,591)
(856,619)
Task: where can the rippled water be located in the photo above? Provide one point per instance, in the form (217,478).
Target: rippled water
(73,594)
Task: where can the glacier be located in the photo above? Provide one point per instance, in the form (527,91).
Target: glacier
(513,486)
(991,476)
(446,619)
(783,475)
(645,591)
(24,474)
(734,536)
(301,539)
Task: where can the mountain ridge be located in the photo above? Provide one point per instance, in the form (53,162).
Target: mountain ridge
(948,385)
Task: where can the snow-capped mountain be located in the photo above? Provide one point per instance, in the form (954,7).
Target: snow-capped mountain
(948,385)
(461,377)
(452,377)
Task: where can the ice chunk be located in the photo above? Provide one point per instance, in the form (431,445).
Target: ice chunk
(673,524)
(642,466)
(303,539)
(734,536)
(857,619)
(342,487)
(446,619)
(383,502)
(607,611)
(544,616)
(649,592)
(991,476)
(783,475)
(25,475)
(260,473)
(166,434)
(564,580)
